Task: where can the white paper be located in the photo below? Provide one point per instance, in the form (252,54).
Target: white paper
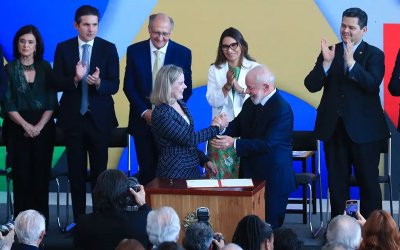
(298,153)
(237,183)
(202,183)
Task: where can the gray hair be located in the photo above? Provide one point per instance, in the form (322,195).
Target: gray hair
(198,236)
(153,17)
(344,229)
(166,76)
(29,226)
(163,225)
(232,246)
(261,75)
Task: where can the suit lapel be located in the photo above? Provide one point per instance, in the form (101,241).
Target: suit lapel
(359,52)
(169,54)
(186,110)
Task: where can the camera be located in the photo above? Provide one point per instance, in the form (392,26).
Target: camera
(134,184)
(6,228)
(203,215)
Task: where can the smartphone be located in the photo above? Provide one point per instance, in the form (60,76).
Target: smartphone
(351,208)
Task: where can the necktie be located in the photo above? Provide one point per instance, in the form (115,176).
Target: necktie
(85,61)
(156,65)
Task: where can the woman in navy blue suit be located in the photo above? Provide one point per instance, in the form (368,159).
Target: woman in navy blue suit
(173,127)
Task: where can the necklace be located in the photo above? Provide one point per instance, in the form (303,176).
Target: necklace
(30,67)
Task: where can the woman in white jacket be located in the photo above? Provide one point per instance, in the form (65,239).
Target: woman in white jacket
(226,91)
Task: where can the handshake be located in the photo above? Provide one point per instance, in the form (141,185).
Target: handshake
(221,121)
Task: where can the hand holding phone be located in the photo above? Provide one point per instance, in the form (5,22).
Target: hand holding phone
(352,208)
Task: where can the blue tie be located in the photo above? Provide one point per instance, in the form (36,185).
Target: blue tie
(85,61)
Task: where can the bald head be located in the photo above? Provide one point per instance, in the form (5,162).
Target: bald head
(160,28)
(260,82)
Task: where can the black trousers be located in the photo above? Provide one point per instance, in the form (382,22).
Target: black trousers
(147,156)
(81,141)
(30,159)
(340,155)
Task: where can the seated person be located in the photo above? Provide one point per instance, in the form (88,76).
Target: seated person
(114,218)
(199,236)
(344,229)
(253,234)
(232,246)
(163,225)
(129,244)
(30,228)
(286,239)
(169,245)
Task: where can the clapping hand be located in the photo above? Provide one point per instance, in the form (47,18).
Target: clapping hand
(327,53)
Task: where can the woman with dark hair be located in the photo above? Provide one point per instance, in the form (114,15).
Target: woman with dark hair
(226,91)
(379,232)
(173,127)
(286,239)
(28,127)
(120,213)
(253,234)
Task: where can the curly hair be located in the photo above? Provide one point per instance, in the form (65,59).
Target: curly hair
(380,232)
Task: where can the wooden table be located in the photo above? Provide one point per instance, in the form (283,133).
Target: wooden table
(227,205)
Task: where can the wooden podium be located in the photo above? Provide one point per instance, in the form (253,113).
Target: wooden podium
(227,205)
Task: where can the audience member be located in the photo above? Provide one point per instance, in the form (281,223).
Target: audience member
(346,230)
(113,219)
(7,241)
(333,245)
(28,127)
(173,128)
(163,225)
(30,228)
(350,120)
(87,71)
(253,234)
(226,92)
(199,236)
(169,245)
(286,239)
(143,61)
(232,246)
(130,244)
(380,232)
(265,127)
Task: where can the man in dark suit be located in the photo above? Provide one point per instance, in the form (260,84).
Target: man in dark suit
(350,119)
(87,70)
(143,61)
(265,127)
(394,84)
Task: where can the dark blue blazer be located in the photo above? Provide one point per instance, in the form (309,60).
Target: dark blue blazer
(3,76)
(265,144)
(101,105)
(138,78)
(354,95)
(179,156)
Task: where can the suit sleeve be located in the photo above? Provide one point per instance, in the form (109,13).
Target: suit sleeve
(394,84)
(369,77)
(110,78)
(278,130)
(65,80)
(3,76)
(214,95)
(138,105)
(317,77)
(169,128)
(187,70)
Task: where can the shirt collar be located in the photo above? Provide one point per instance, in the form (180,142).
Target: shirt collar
(355,46)
(80,42)
(265,99)
(163,49)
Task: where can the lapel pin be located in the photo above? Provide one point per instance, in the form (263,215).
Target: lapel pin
(360,52)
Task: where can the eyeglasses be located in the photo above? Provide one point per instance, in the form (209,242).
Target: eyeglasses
(232,46)
(163,34)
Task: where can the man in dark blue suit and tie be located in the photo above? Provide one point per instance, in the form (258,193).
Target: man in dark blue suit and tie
(144,59)
(350,119)
(265,127)
(87,72)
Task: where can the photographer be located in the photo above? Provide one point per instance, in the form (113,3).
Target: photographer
(199,236)
(7,240)
(114,219)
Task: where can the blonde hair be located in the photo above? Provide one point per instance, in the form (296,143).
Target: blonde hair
(166,76)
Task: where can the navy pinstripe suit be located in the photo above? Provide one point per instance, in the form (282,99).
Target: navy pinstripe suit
(179,156)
